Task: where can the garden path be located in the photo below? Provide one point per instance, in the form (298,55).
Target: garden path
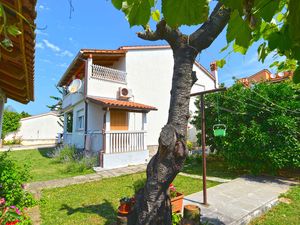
(240,200)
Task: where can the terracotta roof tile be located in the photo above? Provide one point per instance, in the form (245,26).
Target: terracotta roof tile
(114,103)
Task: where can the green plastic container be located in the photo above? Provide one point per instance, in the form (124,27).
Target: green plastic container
(219,130)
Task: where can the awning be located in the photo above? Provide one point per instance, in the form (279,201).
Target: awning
(17,67)
(119,104)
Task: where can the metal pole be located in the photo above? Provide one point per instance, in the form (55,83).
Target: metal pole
(203,134)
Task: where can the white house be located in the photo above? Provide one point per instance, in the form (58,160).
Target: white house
(123,101)
(38,130)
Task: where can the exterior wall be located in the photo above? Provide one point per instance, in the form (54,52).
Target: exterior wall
(103,88)
(95,126)
(125,159)
(39,129)
(149,75)
(71,99)
(77,135)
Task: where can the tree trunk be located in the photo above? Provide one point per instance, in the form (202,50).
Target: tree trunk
(153,205)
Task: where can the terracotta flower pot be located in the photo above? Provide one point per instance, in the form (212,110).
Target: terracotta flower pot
(177,202)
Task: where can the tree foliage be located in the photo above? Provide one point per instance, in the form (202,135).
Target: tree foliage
(57,106)
(263,124)
(273,23)
(11,122)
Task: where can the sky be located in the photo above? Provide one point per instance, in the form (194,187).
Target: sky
(97,24)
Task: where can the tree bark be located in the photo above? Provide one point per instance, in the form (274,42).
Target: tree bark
(153,205)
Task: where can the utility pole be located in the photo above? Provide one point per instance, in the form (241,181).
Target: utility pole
(203,136)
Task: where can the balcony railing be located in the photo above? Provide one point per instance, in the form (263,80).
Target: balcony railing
(104,73)
(124,141)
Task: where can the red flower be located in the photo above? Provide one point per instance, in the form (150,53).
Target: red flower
(13,222)
(2,201)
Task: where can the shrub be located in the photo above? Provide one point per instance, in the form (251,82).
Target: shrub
(263,126)
(12,180)
(14,141)
(77,161)
(11,122)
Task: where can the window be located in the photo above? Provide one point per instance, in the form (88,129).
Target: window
(80,120)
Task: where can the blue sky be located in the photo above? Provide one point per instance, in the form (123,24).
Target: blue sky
(96,24)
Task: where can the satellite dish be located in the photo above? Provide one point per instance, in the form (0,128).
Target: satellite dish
(75,86)
(281,74)
(273,75)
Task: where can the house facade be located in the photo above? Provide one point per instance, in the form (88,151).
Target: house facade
(42,129)
(122,102)
(266,76)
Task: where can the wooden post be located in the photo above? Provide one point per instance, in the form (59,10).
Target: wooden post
(203,136)
(2,101)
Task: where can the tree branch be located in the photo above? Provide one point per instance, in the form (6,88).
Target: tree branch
(207,33)
(162,32)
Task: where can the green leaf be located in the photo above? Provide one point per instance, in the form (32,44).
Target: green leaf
(293,21)
(156,15)
(296,76)
(266,8)
(13,30)
(185,12)
(137,11)
(238,29)
(152,2)
(225,48)
(234,4)
(1,12)
(240,49)
(262,52)
(280,17)
(117,4)
(221,63)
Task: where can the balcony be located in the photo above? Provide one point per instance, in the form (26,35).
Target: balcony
(105,73)
(72,99)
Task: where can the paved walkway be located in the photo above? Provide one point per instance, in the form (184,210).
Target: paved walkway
(216,179)
(36,187)
(22,147)
(239,200)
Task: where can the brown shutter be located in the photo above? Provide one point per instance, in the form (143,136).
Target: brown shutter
(118,120)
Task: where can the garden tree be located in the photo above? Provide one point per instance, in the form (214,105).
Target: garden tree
(248,21)
(11,122)
(57,106)
(24,114)
(263,124)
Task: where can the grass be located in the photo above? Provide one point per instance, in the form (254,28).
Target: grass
(42,167)
(215,167)
(97,202)
(283,213)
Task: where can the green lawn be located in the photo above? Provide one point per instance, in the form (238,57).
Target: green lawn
(42,167)
(215,167)
(285,214)
(97,202)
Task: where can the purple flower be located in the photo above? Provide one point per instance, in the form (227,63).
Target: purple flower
(2,201)
(23,186)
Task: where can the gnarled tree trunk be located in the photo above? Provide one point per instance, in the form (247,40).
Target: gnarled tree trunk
(153,206)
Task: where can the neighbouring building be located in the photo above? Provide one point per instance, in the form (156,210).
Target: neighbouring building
(17,66)
(123,101)
(38,130)
(266,76)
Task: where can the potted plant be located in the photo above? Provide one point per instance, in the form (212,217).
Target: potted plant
(176,199)
(126,204)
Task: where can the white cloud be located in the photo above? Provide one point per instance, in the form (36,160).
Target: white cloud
(51,46)
(40,32)
(66,53)
(45,60)
(70,39)
(41,7)
(39,45)
(64,65)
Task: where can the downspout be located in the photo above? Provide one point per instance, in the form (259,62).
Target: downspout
(88,72)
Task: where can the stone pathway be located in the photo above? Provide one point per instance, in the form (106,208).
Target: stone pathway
(240,200)
(216,179)
(23,147)
(36,187)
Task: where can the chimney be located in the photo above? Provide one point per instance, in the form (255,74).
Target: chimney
(214,71)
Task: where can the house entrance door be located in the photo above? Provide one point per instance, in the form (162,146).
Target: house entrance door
(118,120)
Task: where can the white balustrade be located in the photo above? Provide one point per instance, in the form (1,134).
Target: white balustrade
(105,73)
(125,141)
